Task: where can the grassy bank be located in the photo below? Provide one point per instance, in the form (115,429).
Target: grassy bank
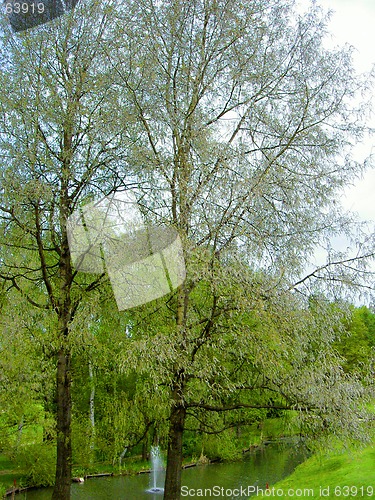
(8,473)
(349,474)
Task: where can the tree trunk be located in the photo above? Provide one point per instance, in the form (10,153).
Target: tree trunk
(64,445)
(20,429)
(145,456)
(64,309)
(172,487)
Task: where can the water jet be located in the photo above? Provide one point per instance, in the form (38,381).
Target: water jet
(156,470)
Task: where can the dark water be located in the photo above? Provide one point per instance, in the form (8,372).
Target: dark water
(267,465)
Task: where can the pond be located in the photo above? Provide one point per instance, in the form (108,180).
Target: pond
(268,464)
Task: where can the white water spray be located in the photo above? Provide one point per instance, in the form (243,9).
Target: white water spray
(156,470)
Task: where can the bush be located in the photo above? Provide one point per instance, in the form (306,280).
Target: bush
(192,444)
(223,446)
(2,490)
(38,461)
(81,441)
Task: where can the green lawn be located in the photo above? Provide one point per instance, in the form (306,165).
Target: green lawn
(7,474)
(345,475)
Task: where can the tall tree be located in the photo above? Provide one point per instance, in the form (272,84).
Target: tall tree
(59,143)
(245,125)
(239,117)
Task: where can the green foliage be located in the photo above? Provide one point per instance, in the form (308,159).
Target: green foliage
(192,444)
(3,490)
(368,317)
(26,374)
(9,471)
(229,444)
(83,454)
(38,462)
(357,341)
(223,446)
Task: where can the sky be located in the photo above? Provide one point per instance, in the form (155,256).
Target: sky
(353,22)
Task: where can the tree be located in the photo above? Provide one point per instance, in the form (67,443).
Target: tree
(128,414)
(60,143)
(245,125)
(25,378)
(356,342)
(231,121)
(368,317)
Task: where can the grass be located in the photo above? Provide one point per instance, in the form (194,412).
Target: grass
(350,475)
(8,473)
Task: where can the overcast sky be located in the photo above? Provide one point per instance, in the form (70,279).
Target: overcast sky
(353,22)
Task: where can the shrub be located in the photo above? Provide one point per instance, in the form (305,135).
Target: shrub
(38,461)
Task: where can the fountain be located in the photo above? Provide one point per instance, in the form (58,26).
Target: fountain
(156,469)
